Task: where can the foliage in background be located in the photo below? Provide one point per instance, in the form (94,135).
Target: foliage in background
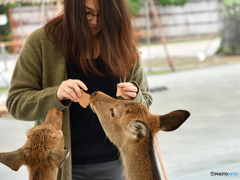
(232,7)
(5,29)
(173,2)
(135,5)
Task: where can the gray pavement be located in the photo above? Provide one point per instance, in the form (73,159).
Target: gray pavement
(207,142)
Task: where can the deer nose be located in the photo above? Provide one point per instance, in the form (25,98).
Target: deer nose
(94,93)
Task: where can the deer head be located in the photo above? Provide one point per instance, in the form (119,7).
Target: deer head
(128,122)
(44,152)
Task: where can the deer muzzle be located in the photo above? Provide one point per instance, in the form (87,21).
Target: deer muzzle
(100,101)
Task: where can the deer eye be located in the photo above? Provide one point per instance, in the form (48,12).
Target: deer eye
(112,112)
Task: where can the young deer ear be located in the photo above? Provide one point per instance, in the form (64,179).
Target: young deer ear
(137,129)
(173,120)
(14,159)
(59,157)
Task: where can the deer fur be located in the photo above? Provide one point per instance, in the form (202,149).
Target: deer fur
(131,127)
(44,152)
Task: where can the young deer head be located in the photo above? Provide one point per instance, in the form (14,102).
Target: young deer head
(131,127)
(44,152)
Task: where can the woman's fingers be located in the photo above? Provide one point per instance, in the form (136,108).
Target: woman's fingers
(70,89)
(82,85)
(71,94)
(129,90)
(128,95)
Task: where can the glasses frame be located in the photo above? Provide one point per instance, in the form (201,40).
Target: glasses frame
(90,16)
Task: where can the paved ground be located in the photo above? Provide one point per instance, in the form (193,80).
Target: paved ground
(207,142)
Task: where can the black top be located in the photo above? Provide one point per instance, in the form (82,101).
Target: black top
(89,142)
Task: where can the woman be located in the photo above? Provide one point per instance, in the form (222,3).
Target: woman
(90,46)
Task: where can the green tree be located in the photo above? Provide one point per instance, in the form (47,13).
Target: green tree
(135,5)
(230,39)
(173,2)
(5,29)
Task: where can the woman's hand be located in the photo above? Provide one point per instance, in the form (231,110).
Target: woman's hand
(129,90)
(70,89)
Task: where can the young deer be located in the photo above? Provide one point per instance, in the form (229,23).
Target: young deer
(44,152)
(131,127)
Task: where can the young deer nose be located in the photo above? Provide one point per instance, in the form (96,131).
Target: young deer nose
(94,93)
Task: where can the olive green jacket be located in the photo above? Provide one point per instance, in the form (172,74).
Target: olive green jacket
(38,73)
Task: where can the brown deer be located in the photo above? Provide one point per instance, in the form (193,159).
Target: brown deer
(44,152)
(131,127)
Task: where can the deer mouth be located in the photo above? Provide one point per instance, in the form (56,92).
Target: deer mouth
(100,102)
(92,101)
(93,110)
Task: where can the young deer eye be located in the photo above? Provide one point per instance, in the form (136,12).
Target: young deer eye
(112,112)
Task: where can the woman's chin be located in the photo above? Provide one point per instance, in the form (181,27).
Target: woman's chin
(95,31)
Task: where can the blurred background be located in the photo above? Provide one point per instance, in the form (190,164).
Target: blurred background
(191,54)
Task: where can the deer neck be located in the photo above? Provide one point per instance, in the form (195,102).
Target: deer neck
(42,173)
(139,161)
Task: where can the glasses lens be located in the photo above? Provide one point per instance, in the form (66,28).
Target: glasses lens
(89,16)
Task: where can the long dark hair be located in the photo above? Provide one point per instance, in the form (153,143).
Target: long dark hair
(71,34)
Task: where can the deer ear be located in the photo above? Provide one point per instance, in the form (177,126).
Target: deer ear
(137,129)
(14,159)
(173,120)
(59,156)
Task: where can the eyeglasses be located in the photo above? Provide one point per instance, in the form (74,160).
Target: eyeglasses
(90,16)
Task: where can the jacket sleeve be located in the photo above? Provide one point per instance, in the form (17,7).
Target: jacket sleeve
(138,77)
(27,99)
